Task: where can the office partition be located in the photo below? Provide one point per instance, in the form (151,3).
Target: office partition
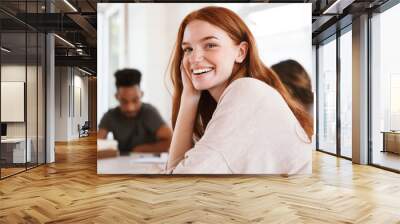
(22,78)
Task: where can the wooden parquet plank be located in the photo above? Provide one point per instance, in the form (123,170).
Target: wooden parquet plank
(70,191)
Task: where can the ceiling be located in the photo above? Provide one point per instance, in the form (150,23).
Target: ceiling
(76,22)
(77,25)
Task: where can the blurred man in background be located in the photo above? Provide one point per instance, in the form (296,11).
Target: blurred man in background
(137,126)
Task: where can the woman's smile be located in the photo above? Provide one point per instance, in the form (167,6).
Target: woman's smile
(200,71)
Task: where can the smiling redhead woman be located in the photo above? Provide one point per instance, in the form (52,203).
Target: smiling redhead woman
(231,114)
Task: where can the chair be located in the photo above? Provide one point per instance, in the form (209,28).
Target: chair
(84,130)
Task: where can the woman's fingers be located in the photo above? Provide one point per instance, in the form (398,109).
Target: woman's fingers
(188,87)
(185,78)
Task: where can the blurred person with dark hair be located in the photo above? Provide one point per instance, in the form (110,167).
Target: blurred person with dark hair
(297,81)
(137,126)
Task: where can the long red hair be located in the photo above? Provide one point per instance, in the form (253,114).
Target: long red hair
(252,66)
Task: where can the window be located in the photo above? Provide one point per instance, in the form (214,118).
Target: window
(346,94)
(327,97)
(385,89)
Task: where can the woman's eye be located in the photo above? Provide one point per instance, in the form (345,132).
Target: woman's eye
(187,50)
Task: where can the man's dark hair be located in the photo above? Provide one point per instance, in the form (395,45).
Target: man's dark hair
(127,77)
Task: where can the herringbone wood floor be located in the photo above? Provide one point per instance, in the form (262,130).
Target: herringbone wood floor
(70,191)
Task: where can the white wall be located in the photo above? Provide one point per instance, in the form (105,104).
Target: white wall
(14,73)
(11,73)
(33,127)
(79,117)
(17,73)
(61,103)
(67,112)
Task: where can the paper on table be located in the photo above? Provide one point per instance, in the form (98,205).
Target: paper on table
(106,144)
(151,159)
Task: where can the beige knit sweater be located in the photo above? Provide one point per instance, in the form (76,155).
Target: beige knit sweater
(252,131)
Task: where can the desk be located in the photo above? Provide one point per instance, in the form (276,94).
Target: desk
(136,163)
(391,141)
(13,150)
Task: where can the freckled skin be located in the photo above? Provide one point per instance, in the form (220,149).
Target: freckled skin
(218,52)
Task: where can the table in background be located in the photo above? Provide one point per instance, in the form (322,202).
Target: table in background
(13,150)
(391,141)
(136,163)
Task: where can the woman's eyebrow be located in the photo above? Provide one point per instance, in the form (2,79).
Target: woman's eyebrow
(202,39)
(208,37)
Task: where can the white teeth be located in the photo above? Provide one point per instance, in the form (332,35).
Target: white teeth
(198,71)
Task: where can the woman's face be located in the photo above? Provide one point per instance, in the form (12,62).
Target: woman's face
(209,55)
